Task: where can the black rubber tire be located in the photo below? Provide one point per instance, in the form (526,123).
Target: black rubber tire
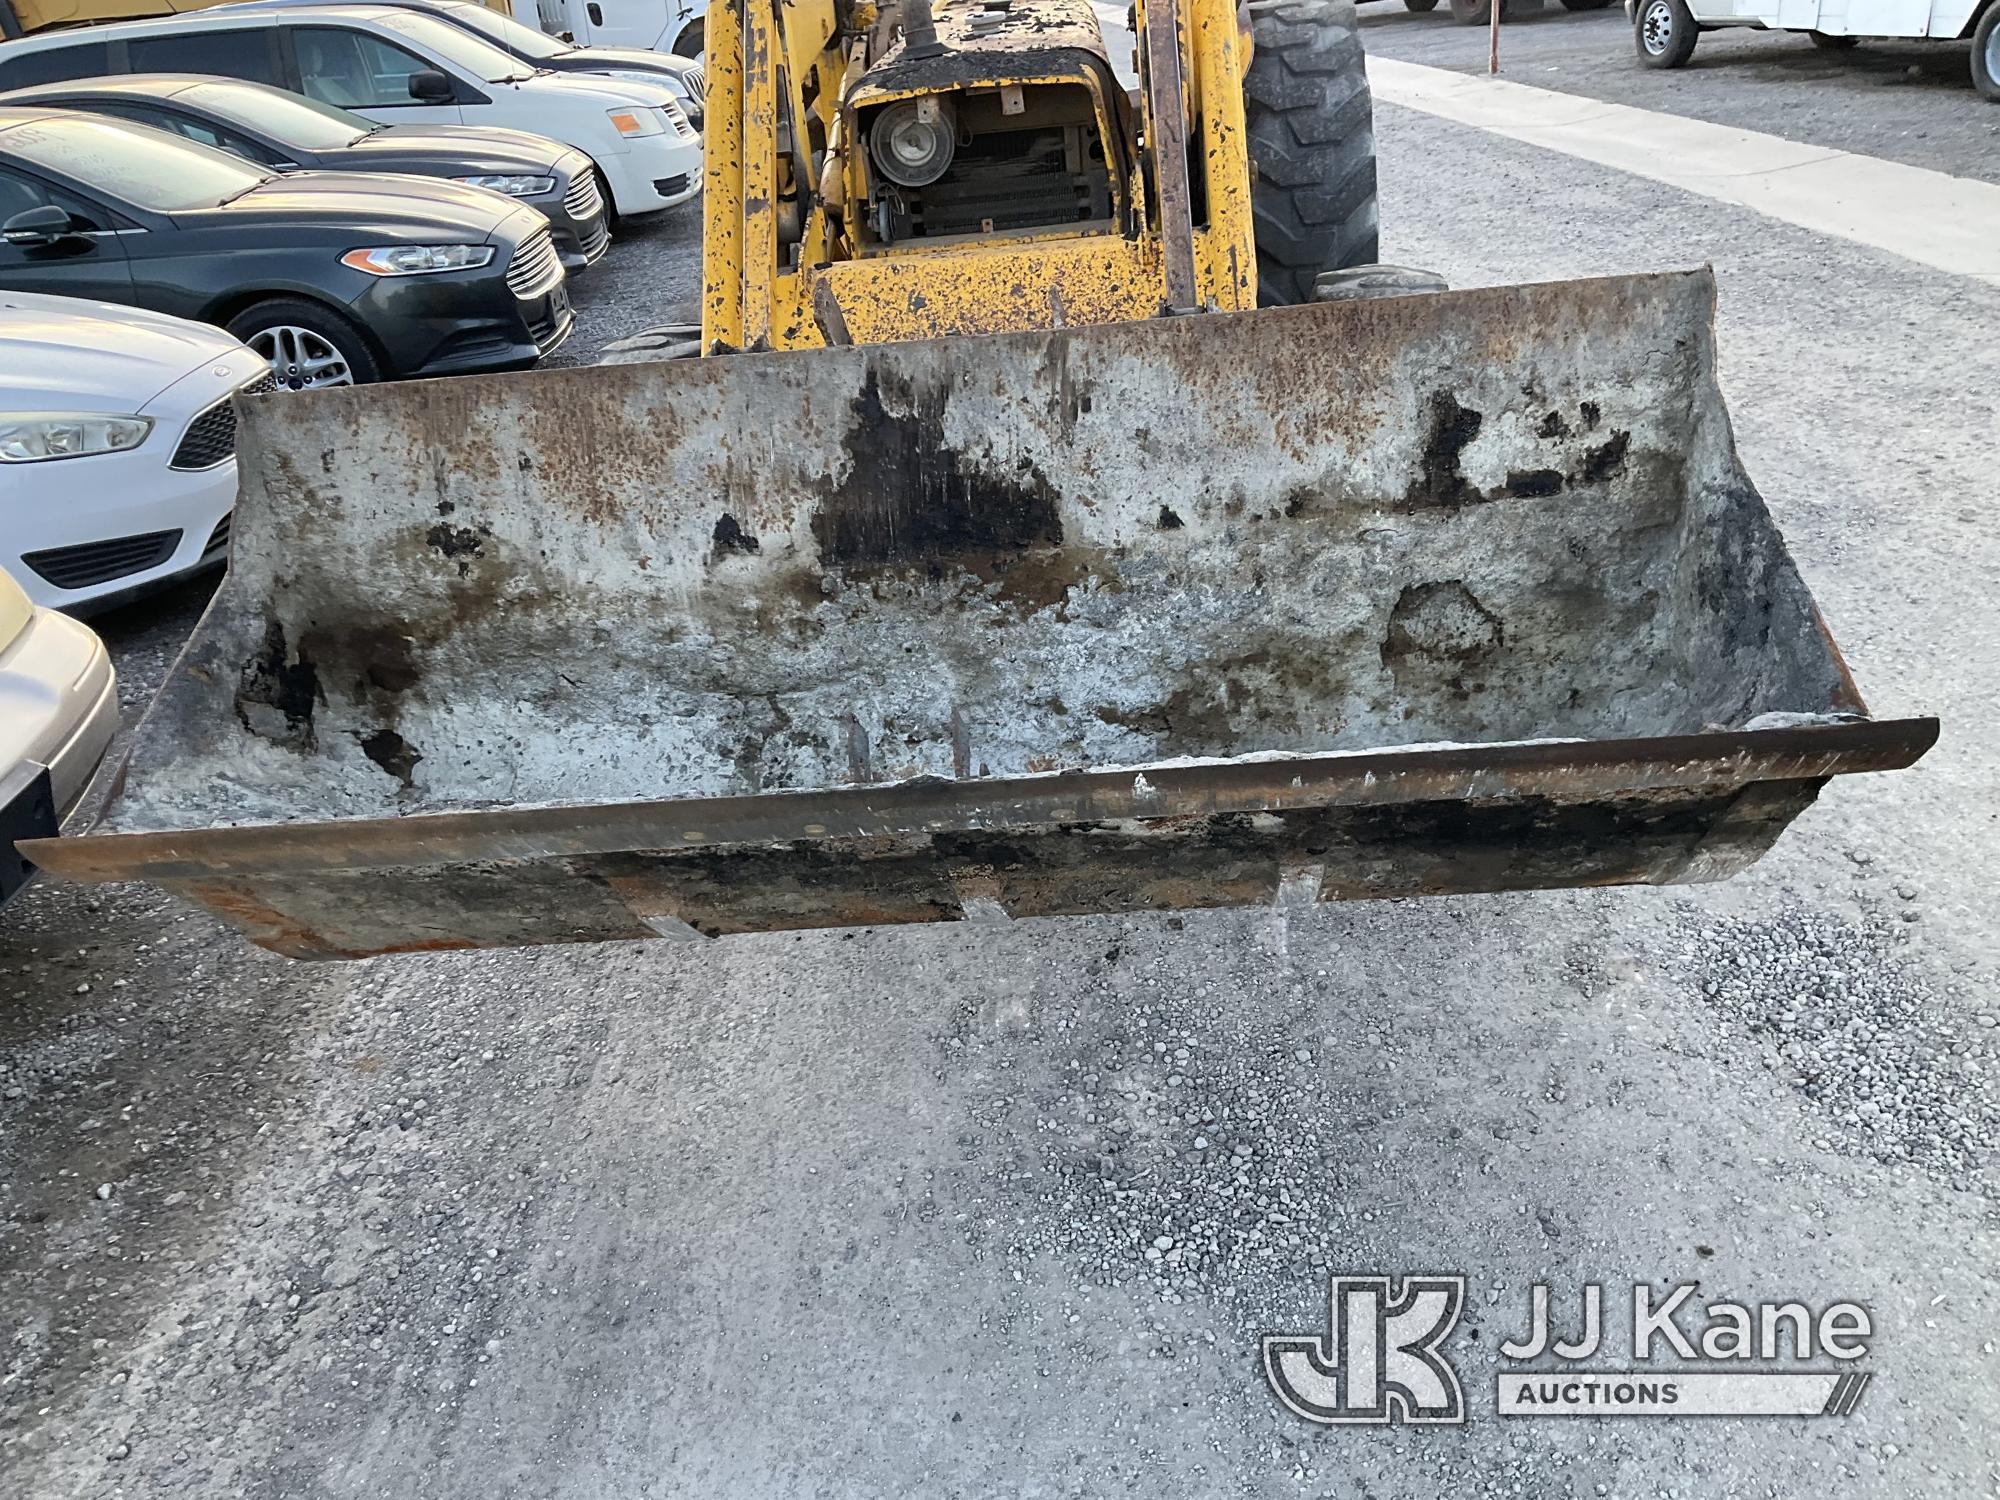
(1833,43)
(612,217)
(1420,7)
(691,42)
(1470,12)
(1311,129)
(1585,4)
(1680,34)
(344,334)
(1986,54)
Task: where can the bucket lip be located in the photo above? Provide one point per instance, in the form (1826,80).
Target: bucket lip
(1563,771)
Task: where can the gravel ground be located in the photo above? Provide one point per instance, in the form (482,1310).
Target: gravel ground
(1908,101)
(883,1211)
(651,274)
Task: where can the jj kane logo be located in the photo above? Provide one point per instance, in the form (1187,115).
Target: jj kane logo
(1382,1358)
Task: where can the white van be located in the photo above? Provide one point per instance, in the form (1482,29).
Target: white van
(663,25)
(1664,31)
(399,67)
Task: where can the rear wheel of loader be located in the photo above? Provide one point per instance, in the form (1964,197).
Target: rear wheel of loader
(1312,145)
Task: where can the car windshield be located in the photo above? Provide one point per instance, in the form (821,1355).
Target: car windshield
(289,119)
(460,48)
(145,168)
(522,41)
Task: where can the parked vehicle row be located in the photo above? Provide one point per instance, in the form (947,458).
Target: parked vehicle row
(288,133)
(670,26)
(682,76)
(395,65)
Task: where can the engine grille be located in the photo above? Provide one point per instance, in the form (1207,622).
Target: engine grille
(696,83)
(90,563)
(211,436)
(594,239)
(680,119)
(583,200)
(536,268)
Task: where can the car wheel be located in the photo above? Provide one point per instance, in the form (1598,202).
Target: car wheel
(1470,12)
(689,42)
(1663,33)
(307,346)
(1986,55)
(1421,7)
(1585,4)
(1831,42)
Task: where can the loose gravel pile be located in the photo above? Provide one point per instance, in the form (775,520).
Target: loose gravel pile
(1192,1155)
(1901,1073)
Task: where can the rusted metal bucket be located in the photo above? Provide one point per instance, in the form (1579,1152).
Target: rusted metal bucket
(1463,592)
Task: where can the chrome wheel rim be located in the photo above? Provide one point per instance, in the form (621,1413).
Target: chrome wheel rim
(1993,54)
(300,359)
(1656,26)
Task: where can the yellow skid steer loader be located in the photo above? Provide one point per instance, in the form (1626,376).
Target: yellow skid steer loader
(1009,551)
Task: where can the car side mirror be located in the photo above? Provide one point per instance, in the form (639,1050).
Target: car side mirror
(431,87)
(47,225)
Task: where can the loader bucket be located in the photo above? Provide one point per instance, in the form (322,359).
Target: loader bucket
(1460,592)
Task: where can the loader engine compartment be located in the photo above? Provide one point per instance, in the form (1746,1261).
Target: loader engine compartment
(1018,158)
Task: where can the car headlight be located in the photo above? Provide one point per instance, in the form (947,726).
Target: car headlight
(417,260)
(514,185)
(32,437)
(638,122)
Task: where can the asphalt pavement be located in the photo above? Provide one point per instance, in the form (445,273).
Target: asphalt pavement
(983,1210)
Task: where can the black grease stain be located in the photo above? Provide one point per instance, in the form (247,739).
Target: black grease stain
(1439,479)
(1170,521)
(910,497)
(731,537)
(1592,414)
(1533,484)
(1553,426)
(392,753)
(274,687)
(1606,460)
(460,543)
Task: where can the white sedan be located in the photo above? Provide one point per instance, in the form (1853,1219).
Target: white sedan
(117,446)
(58,713)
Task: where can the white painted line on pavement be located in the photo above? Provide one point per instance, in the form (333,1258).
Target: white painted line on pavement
(1951,223)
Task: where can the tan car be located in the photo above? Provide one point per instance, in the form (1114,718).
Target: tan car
(58,714)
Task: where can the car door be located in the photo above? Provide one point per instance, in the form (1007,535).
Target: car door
(366,73)
(89,262)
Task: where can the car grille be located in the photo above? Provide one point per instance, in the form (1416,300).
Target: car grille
(218,539)
(696,83)
(91,563)
(583,200)
(211,436)
(536,269)
(679,119)
(666,187)
(593,240)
